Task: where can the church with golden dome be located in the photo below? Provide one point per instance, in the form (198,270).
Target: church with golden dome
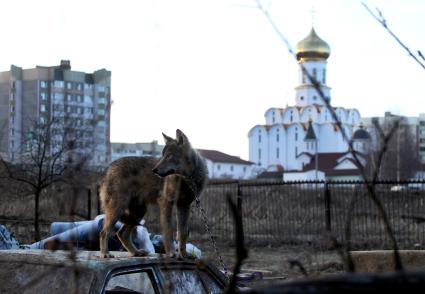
(303,141)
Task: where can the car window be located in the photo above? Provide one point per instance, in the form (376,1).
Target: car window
(139,282)
(189,281)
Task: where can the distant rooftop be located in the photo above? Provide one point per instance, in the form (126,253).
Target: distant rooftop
(217,156)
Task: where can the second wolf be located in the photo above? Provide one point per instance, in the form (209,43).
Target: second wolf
(132,183)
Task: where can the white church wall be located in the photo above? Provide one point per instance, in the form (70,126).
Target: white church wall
(353,117)
(291,115)
(309,112)
(295,135)
(273,116)
(277,146)
(341,113)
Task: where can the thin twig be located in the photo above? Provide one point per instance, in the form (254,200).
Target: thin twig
(380,18)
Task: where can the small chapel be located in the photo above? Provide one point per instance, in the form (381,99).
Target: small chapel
(304,141)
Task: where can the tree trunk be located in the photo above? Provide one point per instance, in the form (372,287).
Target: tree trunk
(36,216)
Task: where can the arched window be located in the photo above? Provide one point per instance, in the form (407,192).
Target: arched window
(277,152)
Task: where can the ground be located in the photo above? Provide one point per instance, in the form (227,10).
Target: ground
(275,262)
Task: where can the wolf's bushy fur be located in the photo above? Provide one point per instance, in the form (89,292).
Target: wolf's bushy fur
(132,183)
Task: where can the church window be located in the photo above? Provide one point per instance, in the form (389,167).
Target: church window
(315,73)
(218,167)
(277,137)
(231,168)
(296,151)
(303,76)
(277,152)
(259,138)
(259,154)
(324,76)
(273,119)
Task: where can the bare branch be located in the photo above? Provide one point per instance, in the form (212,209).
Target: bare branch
(380,18)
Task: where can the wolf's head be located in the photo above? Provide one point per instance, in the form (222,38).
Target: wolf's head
(177,157)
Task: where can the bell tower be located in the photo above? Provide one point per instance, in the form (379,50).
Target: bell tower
(312,54)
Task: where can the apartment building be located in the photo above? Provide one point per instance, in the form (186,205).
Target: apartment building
(76,101)
(414,124)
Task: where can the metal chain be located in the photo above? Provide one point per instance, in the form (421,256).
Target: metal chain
(207,228)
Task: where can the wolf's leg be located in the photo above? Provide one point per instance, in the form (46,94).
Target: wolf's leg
(166,225)
(183,211)
(125,236)
(108,224)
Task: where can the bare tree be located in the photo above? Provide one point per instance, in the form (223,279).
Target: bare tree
(401,158)
(50,153)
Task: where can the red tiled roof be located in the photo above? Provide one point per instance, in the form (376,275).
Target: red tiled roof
(217,156)
(271,175)
(327,162)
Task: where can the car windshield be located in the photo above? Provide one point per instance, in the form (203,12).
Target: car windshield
(189,281)
(139,282)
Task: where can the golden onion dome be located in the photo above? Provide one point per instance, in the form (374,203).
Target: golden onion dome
(312,47)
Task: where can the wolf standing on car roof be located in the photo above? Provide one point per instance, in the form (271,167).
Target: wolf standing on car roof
(131,183)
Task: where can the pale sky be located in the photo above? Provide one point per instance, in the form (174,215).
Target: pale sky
(213,67)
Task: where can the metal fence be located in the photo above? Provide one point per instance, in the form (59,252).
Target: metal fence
(313,212)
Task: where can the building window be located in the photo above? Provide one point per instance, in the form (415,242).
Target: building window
(303,76)
(69,86)
(277,152)
(324,76)
(231,168)
(218,167)
(43,96)
(314,97)
(43,108)
(43,84)
(277,137)
(296,151)
(68,97)
(315,73)
(296,134)
(58,84)
(79,86)
(259,154)
(244,169)
(259,138)
(302,97)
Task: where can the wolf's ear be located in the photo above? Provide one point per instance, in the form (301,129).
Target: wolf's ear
(181,138)
(167,139)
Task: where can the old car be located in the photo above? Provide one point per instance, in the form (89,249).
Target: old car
(45,271)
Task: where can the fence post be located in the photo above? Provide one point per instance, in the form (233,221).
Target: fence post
(328,207)
(98,199)
(239,199)
(89,204)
